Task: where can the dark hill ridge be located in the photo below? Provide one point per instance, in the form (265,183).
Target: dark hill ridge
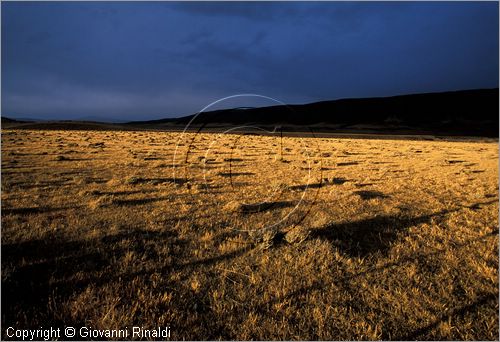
(468,112)
(457,113)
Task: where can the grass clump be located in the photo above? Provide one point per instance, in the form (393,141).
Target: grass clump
(297,235)
(101,201)
(134,180)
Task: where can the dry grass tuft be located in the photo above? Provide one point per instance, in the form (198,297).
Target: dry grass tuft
(61,158)
(297,234)
(101,201)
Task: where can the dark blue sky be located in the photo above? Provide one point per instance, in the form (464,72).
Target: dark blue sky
(136,60)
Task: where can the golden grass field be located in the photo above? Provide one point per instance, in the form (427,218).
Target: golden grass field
(250,237)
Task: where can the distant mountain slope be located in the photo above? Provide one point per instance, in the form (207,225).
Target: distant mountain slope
(99,119)
(468,112)
(64,125)
(8,122)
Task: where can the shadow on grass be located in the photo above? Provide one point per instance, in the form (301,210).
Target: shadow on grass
(38,271)
(338,180)
(155,181)
(368,236)
(488,299)
(32,210)
(124,192)
(344,281)
(234,174)
(318,185)
(307,186)
(370,194)
(264,206)
(36,274)
(348,163)
(140,201)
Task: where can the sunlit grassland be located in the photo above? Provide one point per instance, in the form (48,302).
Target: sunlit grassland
(250,237)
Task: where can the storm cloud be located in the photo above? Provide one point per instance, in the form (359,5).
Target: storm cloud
(139,61)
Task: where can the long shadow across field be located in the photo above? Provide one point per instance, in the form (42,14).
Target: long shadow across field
(39,272)
(363,237)
(34,273)
(422,333)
